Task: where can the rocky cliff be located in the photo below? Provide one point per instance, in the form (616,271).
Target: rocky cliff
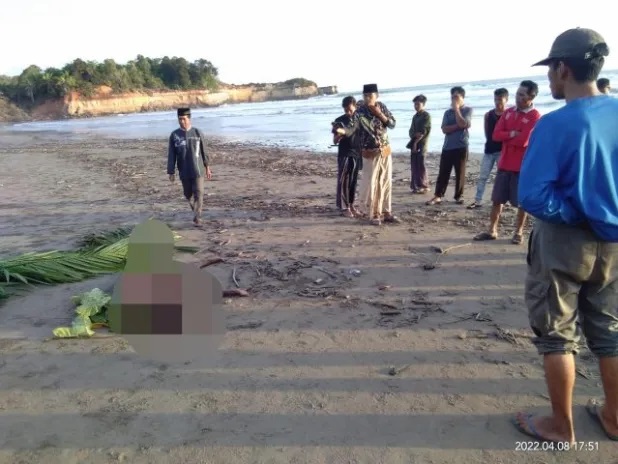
(10,112)
(329,90)
(105,102)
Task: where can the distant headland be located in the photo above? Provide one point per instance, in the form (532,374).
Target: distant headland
(88,89)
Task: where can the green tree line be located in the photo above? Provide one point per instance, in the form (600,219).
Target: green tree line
(35,85)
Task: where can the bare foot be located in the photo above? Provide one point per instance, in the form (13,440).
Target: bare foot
(544,428)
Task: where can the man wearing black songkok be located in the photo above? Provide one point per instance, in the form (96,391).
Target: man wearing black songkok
(187,152)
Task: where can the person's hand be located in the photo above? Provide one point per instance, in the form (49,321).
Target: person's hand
(417,137)
(208,173)
(172,177)
(514,133)
(456,102)
(375,110)
(340,131)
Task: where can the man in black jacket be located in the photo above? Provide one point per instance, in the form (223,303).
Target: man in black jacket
(187,152)
(349,160)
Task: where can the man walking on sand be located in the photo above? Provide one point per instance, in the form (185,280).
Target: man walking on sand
(455,124)
(419,139)
(513,130)
(568,182)
(373,119)
(187,152)
(349,160)
(492,148)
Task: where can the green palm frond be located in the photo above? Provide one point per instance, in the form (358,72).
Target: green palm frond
(96,240)
(98,254)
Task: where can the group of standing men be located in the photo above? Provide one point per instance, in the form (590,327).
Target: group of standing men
(361,134)
(362,139)
(363,143)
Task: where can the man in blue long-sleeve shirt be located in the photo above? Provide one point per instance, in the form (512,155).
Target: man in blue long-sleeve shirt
(569,183)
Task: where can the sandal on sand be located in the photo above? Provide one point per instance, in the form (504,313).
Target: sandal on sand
(594,409)
(517,239)
(392,219)
(434,201)
(529,429)
(484,236)
(347,213)
(475,205)
(460,201)
(375,222)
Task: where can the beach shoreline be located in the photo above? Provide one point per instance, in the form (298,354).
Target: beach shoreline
(394,362)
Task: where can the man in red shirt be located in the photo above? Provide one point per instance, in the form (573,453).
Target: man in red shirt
(513,130)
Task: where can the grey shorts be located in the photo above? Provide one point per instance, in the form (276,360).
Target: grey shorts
(505,188)
(572,277)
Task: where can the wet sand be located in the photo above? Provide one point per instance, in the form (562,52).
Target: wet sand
(397,363)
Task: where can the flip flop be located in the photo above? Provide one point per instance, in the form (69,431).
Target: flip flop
(433,202)
(530,431)
(593,409)
(517,239)
(484,236)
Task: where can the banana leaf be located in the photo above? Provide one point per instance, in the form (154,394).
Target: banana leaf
(90,311)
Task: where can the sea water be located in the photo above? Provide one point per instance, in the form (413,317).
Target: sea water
(305,124)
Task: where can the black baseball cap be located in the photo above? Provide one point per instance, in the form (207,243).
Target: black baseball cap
(576,43)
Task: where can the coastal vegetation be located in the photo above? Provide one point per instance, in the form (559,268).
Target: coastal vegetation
(35,85)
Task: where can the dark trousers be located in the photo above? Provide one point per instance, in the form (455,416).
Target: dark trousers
(193,189)
(347,178)
(418,172)
(450,159)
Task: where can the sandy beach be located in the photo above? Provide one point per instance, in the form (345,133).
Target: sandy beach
(349,349)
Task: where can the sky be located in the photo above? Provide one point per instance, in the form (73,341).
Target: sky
(346,44)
